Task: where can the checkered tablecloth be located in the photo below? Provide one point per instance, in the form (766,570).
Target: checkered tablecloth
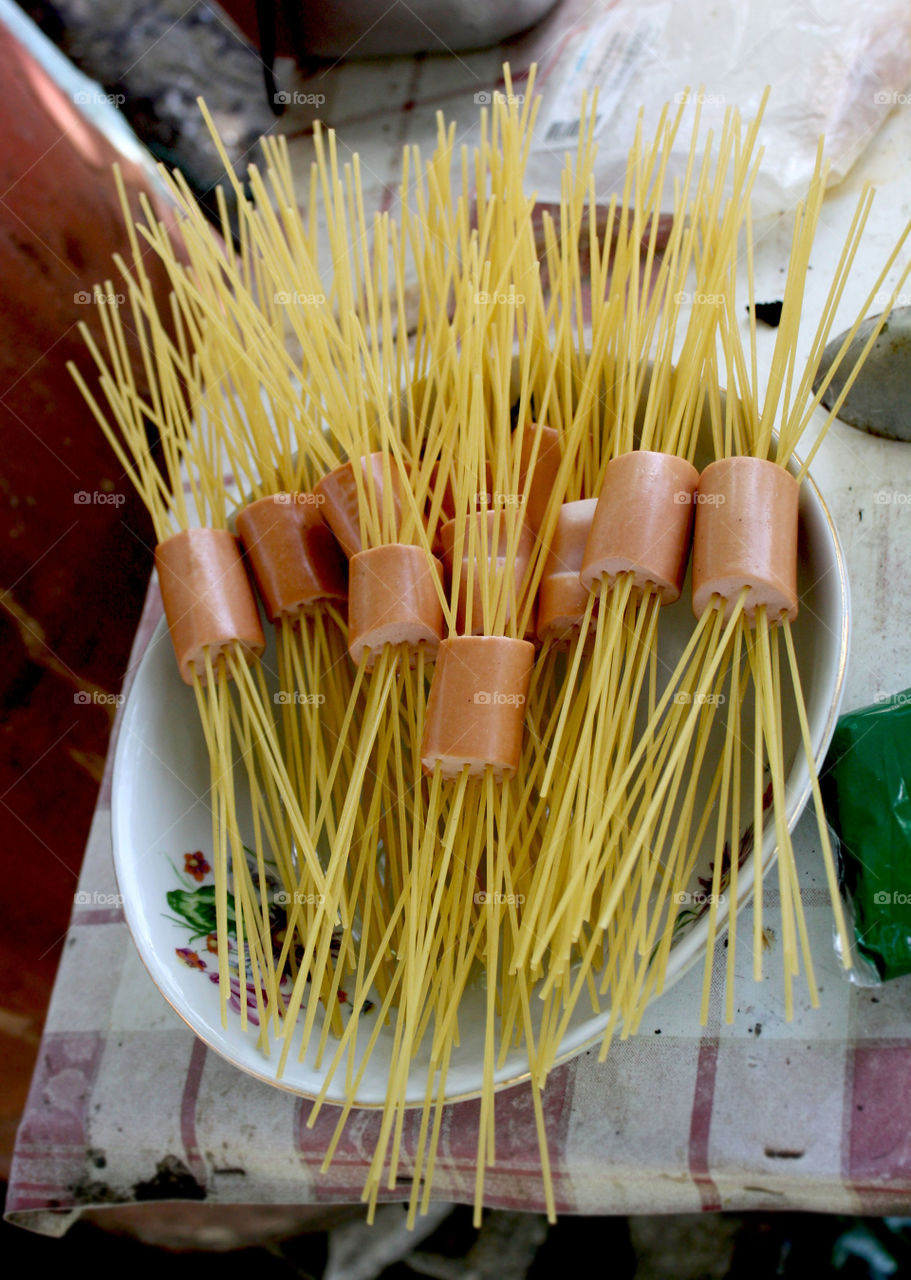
(127,1104)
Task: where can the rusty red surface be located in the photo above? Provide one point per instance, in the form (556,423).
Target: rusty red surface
(75,543)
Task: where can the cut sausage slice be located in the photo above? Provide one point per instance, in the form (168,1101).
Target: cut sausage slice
(476,707)
(296,561)
(393,600)
(746,536)
(547,464)
(562,600)
(208,599)
(501,529)
(341,498)
(643,523)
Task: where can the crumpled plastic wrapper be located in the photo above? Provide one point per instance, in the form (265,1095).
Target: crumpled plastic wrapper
(867,791)
(835,68)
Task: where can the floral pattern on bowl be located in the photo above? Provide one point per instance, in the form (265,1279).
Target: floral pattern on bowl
(192,907)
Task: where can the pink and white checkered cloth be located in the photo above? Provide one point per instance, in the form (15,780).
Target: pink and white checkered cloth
(127,1104)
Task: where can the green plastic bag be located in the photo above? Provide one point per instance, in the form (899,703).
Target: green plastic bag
(867,790)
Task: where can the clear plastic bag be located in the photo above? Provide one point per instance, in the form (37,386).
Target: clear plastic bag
(835,68)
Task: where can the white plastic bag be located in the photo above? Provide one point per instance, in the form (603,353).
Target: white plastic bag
(835,67)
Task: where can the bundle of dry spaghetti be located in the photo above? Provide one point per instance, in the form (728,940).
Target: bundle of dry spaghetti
(243,367)
(466,768)
(681,786)
(219,644)
(449,924)
(362,503)
(617,558)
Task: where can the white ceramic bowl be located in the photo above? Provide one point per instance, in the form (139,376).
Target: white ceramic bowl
(160,814)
